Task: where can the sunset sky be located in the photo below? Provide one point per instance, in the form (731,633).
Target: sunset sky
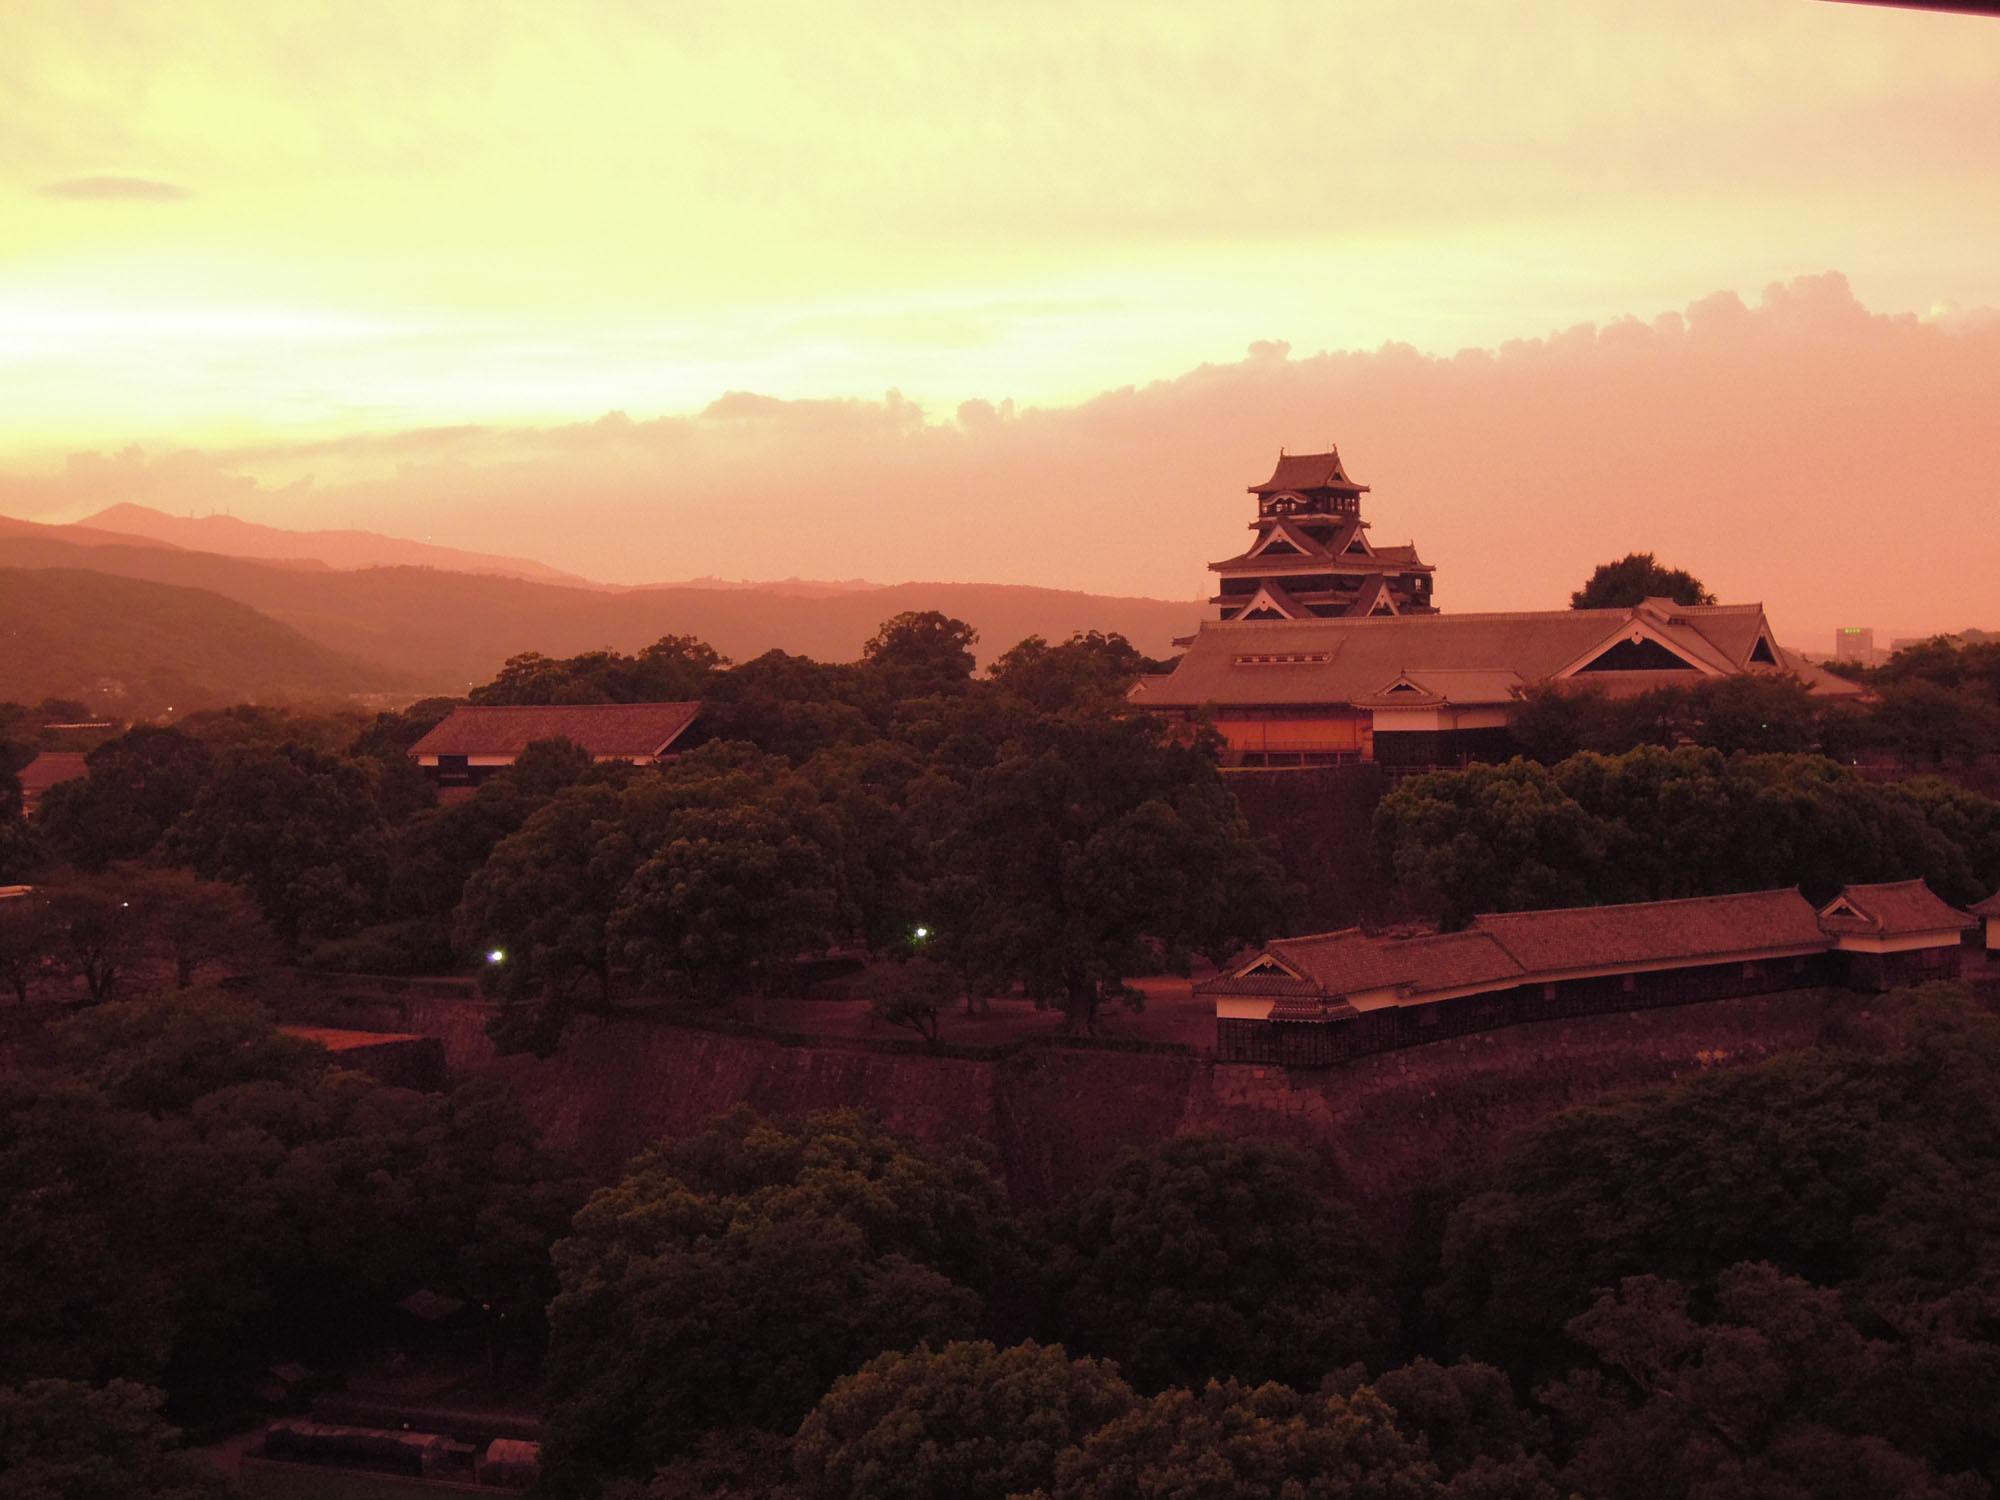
(393,265)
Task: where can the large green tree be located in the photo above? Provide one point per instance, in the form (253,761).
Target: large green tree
(673,669)
(298,828)
(1488,838)
(922,654)
(1091,669)
(1774,1392)
(137,787)
(544,898)
(968,1420)
(64,1440)
(1096,848)
(1210,1256)
(1634,578)
(731,893)
(1232,1441)
(730,1277)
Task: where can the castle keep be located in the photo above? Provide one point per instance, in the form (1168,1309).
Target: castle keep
(1329,649)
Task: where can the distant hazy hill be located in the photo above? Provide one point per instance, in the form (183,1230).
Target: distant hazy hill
(450,629)
(132,646)
(335,549)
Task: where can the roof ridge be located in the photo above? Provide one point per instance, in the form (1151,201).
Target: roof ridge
(575,707)
(1306,937)
(1548,911)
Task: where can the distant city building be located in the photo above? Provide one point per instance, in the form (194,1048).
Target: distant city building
(1311,557)
(1310,1001)
(480,740)
(1854,643)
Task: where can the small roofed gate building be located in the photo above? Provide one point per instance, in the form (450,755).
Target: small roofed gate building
(1439,689)
(1988,912)
(479,740)
(1321,999)
(1311,558)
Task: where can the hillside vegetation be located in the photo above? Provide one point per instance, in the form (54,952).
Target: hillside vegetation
(450,629)
(128,646)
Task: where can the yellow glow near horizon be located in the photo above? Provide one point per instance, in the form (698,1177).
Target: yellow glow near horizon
(233,220)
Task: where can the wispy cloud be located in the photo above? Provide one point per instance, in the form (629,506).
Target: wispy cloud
(112,188)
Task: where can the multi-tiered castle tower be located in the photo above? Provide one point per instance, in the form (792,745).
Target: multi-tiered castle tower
(1312,557)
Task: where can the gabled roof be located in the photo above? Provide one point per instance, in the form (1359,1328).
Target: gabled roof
(1655,932)
(1350,962)
(1371,596)
(604,729)
(1354,658)
(1990,907)
(1892,909)
(1430,685)
(1272,595)
(1309,471)
(1303,545)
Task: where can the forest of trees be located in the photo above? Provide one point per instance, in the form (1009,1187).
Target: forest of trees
(1776,1280)
(1040,835)
(1780,1279)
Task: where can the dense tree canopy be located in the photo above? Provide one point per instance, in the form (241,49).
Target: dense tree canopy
(1655,824)
(968,1420)
(299,828)
(323,1198)
(1231,1441)
(1634,578)
(1210,1256)
(65,1440)
(1873,1173)
(137,788)
(730,1277)
(671,670)
(1775,1392)
(1089,669)
(1094,849)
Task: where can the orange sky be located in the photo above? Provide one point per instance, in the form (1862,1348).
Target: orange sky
(263,241)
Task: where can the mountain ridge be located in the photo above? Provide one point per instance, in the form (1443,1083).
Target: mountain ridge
(345,550)
(444,631)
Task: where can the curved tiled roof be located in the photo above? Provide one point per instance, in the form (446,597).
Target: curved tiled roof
(1500,950)
(604,729)
(1308,471)
(1655,932)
